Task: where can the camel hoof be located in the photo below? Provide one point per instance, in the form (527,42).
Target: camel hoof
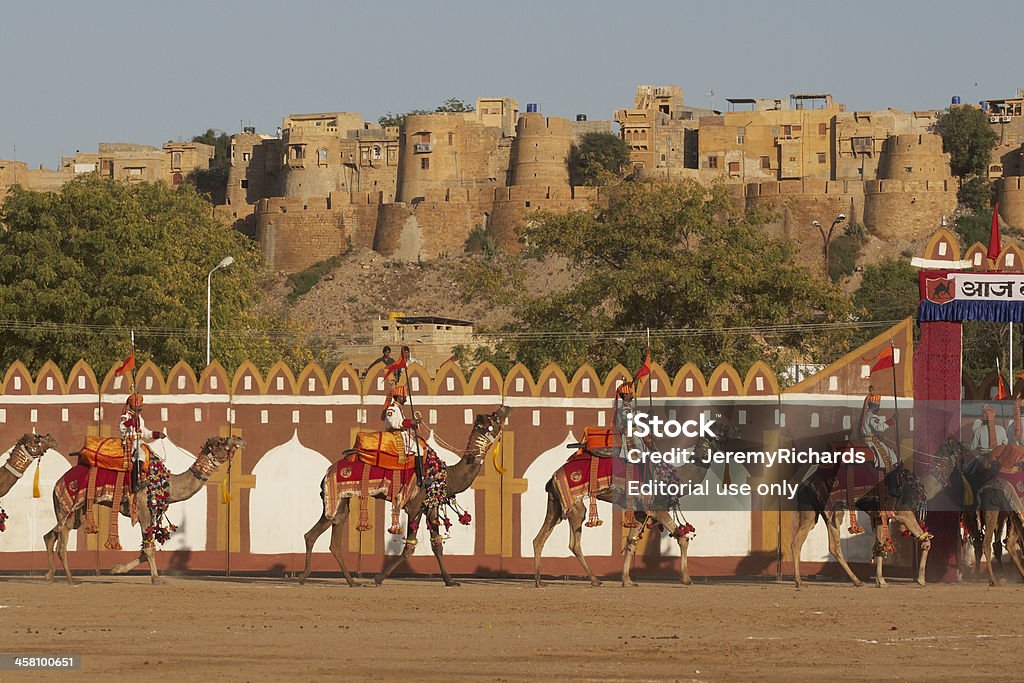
(49,578)
(452,584)
(881,584)
(687,581)
(630,584)
(378,580)
(118,569)
(858,583)
(158,581)
(921,582)
(302,580)
(539,584)
(595,583)
(992,584)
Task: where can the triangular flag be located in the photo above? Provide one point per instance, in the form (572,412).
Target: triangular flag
(128,365)
(397,365)
(885,360)
(644,369)
(994,246)
(1002,393)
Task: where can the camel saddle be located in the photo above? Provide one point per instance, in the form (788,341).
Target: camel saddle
(386,450)
(108,453)
(602,442)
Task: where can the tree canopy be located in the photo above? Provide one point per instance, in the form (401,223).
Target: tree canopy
(678,259)
(597,158)
(81,267)
(450,105)
(213,181)
(969,139)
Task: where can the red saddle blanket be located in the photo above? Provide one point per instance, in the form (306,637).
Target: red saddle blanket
(351,477)
(841,485)
(573,479)
(1016,480)
(107,453)
(386,450)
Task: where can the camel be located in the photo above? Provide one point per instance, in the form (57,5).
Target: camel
(909,489)
(693,472)
(182,486)
(486,430)
(999,504)
(28,448)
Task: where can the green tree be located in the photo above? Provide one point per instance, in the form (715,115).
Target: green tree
(975,194)
(969,139)
(81,267)
(597,158)
(679,259)
(450,105)
(213,181)
(888,291)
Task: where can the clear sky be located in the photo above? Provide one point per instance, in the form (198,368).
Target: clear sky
(76,73)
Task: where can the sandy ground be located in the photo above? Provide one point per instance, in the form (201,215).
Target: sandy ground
(270,629)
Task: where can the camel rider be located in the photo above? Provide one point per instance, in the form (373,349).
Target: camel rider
(133,431)
(623,416)
(870,425)
(396,420)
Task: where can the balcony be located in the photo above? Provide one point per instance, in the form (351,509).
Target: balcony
(422,147)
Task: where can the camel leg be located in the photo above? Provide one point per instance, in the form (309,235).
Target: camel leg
(991,520)
(909,520)
(125,568)
(836,548)
(50,541)
(628,552)
(437,545)
(410,543)
(551,519)
(684,545)
(1013,535)
(311,537)
(337,541)
(576,514)
(62,550)
(150,550)
(805,522)
(974,534)
(880,524)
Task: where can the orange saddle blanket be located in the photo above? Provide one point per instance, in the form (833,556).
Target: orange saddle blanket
(107,453)
(386,450)
(601,441)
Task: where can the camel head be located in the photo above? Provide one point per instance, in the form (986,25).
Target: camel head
(220,449)
(35,445)
(486,430)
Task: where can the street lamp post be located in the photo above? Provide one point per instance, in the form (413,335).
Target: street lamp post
(826,237)
(225,262)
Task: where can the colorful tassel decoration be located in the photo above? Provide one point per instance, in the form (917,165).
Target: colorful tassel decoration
(35,483)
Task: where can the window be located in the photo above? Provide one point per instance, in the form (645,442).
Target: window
(176,160)
(908,169)
(377,154)
(741,134)
(734,167)
(712,162)
(246,156)
(862,145)
(134,172)
(787,131)
(244,183)
(821,157)
(451,138)
(766,162)
(425,138)
(822,129)
(321,157)
(425,163)
(296,151)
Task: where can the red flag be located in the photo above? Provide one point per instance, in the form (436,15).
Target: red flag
(1002,393)
(994,247)
(128,365)
(644,369)
(397,365)
(884,360)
